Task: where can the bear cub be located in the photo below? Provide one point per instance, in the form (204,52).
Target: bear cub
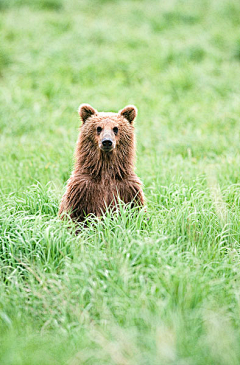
(104,164)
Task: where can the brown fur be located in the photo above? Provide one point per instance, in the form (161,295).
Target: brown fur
(100,177)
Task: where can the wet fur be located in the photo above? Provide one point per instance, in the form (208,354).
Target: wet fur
(99,179)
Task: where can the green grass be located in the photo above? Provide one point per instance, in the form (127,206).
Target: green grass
(126,290)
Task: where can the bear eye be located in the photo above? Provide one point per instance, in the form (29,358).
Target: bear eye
(115,130)
(99,130)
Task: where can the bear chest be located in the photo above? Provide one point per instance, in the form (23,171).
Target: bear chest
(107,191)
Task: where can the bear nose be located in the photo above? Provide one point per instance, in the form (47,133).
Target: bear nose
(107,143)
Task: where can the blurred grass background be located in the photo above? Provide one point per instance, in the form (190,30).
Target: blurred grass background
(124,291)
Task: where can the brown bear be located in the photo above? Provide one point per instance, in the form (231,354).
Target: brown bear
(104,167)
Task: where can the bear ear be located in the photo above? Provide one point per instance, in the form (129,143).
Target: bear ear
(129,112)
(85,111)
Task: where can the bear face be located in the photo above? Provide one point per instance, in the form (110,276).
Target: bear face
(107,132)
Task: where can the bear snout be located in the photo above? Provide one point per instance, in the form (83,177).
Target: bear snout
(107,144)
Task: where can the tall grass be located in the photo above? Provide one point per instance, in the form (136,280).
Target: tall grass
(132,288)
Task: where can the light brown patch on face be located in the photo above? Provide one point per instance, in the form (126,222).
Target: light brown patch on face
(107,133)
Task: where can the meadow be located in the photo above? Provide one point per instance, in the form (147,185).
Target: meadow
(126,290)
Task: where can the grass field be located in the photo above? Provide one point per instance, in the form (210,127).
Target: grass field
(125,291)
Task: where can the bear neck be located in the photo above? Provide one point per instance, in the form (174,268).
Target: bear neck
(99,165)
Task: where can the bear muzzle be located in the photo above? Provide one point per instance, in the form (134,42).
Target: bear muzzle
(107,144)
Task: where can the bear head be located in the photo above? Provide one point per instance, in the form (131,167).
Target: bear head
(110,133)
